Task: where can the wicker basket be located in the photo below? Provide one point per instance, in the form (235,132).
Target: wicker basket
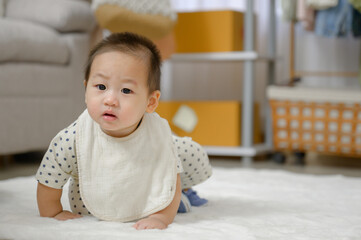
(324,121)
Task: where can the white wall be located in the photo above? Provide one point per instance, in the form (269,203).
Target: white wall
(316,53)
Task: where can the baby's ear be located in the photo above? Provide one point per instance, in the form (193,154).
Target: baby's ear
(153,101)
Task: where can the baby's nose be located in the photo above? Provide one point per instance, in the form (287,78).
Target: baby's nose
(111,99)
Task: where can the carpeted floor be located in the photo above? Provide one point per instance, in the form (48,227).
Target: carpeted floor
(243,204)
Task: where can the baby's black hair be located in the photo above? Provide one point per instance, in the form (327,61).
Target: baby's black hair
(135,45)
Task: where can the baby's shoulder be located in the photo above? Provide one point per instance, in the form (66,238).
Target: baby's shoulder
(67,135)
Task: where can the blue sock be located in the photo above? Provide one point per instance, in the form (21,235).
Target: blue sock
(193,198)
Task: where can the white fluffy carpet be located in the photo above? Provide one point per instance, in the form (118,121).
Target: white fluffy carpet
(243,204)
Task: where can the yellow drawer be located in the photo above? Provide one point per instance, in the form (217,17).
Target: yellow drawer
(218,121)
(211,31)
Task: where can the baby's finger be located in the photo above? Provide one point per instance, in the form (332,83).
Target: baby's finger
(77,216)
(136,225)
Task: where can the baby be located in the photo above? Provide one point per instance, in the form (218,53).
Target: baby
(121,158)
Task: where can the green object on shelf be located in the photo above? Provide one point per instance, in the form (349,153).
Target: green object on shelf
(356,4)
(289,10)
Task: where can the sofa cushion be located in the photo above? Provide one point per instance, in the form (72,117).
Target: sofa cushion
(62,15)
(26,41)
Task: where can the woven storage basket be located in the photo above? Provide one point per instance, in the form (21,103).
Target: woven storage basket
(318,120)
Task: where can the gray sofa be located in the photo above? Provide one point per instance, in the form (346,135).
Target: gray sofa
(43,49)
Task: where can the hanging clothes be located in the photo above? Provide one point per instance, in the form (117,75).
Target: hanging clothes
(356,23)
(335,21)
(306,15)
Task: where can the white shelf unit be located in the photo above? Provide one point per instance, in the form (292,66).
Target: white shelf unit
(248,150)
(216,56)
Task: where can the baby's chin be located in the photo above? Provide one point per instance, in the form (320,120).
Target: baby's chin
(118,133)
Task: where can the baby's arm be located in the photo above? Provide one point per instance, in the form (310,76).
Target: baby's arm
(163,218)
(49,203)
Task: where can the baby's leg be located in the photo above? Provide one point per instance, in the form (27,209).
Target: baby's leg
(195,162)
(76,203)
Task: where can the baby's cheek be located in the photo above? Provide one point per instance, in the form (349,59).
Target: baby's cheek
(131,114)
(92,110)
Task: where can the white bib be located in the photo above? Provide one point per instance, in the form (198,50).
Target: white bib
(124,179)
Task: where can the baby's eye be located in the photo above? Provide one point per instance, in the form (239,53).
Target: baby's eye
(101,86)
(126,91)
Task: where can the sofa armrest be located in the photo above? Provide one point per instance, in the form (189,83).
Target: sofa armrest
(62,15)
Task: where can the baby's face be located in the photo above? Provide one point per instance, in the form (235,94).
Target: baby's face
(117,94)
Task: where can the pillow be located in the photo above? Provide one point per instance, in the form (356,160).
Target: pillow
(154,19)
(62,15)
(26,41)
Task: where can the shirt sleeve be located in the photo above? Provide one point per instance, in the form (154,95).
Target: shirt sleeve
(179,166)
(59,161)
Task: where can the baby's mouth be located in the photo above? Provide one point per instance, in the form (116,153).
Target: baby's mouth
(109,116)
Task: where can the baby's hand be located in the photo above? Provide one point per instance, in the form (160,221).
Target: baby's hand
(66,215)
(149,223)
